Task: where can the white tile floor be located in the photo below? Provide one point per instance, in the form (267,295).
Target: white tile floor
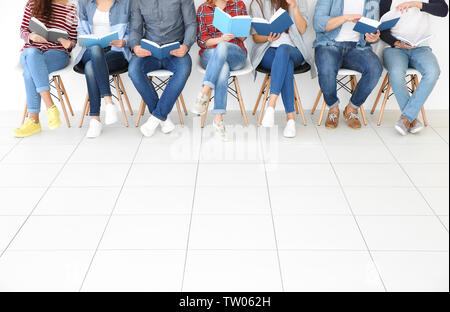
(327,211)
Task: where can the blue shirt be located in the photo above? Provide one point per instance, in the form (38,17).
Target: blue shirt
(119,16)
(327,9)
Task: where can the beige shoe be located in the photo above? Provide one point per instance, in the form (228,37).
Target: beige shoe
(351,115)
(332,119)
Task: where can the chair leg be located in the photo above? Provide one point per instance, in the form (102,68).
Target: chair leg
(183,104)
(322,113)
(261,92)
(383,106)
(141,113)
(240,100)
(264,103)
(66,96)
(299,103)
(61,100)
(25,114)
(319,95)
(119,96)
(363,114)
(383,85)
(180,114)
(206,112)
(85,110)
(125,94)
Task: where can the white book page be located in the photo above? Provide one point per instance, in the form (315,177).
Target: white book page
(152,43)
(390,16)
(58,30)
(89,37)
(260,20)
(370,22)
(169,44)
(34,19)
(277,14)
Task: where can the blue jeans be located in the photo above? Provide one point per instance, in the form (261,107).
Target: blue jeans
(282,61)
(219,62)
(98,63)
(331,58)
(397,61)
(37,66)
(180,67)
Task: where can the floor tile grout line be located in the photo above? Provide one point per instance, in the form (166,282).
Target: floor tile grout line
(261,148)
(354,216)
(414,185)
(443,139)
(42,196)
(10,150)
(192,212)
(110,216)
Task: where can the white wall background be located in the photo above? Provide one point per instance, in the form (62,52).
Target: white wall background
(13,89)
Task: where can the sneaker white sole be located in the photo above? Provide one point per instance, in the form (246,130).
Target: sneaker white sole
(401,131)
(417,130)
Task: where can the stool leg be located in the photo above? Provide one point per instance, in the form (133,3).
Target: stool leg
(241,101)
(119,96)
(261,92)
(66,96)
(206,112)
(363,114)
(322,112)
(383,106)
(183,104)
(125,94)
(319,95)
(299,103)
(61,100)
(85,110)
(264,103)
(141,113)
(383,85)
(180,115)
(25,114)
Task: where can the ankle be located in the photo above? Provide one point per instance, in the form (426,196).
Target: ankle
(218,118)
(351,109)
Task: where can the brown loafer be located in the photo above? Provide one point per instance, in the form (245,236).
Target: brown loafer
(351,115)
(333,119)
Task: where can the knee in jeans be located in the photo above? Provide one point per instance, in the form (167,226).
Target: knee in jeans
(432,73)
(89,69)
(222,49)
(96,50)
(27,75)
(328,72)
(134,68)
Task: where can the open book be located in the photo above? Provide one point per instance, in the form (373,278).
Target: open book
(415,43)
(50,34)
(238,25)
(278,24)
(369,26)
(160,52)
(88,41)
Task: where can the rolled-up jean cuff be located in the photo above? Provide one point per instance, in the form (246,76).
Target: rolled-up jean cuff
(209,84)
(355,106)
(219,111)
(106,94)
(159,117)
(409,118)
(33,111)
(42,89)
(94,114)
(275,93)
(334,105)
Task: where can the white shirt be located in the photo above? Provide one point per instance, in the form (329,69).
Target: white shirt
(284,39)
(100,23)
(347,33)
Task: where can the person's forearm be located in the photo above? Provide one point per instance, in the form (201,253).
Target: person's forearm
(300,21)
(335,22)
(213,42)
(260,39)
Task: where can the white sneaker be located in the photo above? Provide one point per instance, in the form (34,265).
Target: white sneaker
(148,129)
(269,118)
(221,131)
(200,104)
(95,129)
(167,126)
(290,131)
(111,114)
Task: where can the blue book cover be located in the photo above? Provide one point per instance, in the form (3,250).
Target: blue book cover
(239,26)
(88,41)
(160,52)
(369,26)
(279,23)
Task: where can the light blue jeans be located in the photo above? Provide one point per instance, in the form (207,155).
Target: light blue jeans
(37,66)
(397,61)
(219,62)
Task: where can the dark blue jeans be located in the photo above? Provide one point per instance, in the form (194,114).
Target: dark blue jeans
(282,61)
(98,63)
(331,58)
(180,67)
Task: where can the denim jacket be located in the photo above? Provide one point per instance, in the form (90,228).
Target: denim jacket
(119,16)
(327,9)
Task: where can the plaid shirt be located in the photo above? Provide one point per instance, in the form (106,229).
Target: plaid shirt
(205,17)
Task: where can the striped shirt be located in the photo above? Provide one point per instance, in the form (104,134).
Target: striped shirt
(64,17)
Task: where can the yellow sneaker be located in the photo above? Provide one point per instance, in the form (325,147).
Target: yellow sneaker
(29,128)
(53,117)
